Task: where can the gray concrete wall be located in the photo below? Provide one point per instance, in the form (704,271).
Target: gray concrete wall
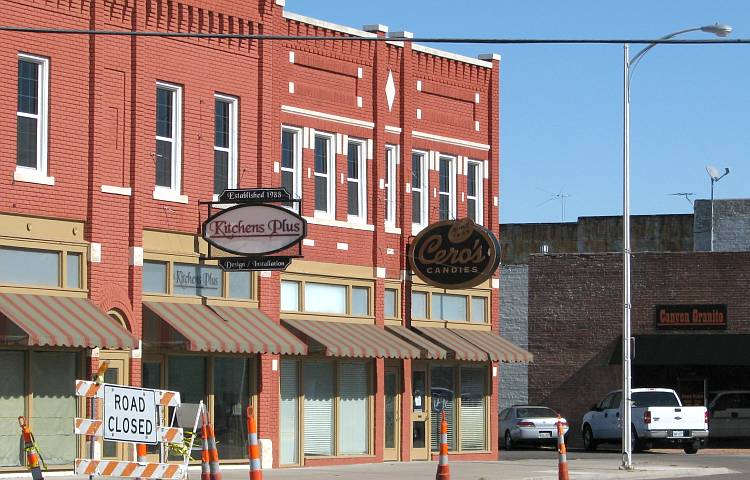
(514,326)
(731,225)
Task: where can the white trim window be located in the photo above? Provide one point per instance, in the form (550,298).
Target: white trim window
(390,183)
(225,143)
(419,191)
(168,138)
(324,173)
(32,114)
(291,153)
(447,188)
(475,191)
(356,169)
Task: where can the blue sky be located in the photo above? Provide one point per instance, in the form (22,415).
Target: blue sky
(561,105)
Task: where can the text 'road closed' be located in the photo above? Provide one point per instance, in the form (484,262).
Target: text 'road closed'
(130,414)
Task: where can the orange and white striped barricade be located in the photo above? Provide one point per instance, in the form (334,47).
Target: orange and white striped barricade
(31,449)
(443,470)
(130,415)
(562,467)
(253,450)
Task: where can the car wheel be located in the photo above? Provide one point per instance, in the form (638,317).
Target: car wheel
(691,448)
(635,445)
(589,444)
(508,444)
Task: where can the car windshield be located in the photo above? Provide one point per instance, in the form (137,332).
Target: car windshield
(655,399)
(535,412)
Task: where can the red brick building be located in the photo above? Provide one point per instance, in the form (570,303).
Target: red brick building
(109,143)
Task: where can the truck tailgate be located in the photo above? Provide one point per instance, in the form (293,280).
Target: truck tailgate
(677,418)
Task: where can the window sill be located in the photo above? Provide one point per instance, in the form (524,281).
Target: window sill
(169,195)
(221,206)
(327,317)
(457,324)
(416,228)
(330,222)
(126,191)
(392,229)
(29,175)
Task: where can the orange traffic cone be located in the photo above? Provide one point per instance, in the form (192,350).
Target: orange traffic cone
(32,451)
(562,468)
(140,454)
(213,454)
(253,450)
(205,457)
(443,470)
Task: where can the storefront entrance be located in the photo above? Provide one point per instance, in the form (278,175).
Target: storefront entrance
(420,442)
(119,374)
(392,412)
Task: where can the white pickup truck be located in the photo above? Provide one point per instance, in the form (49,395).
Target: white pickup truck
(657,415)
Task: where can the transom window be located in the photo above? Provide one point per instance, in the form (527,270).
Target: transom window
(418,190)
(331,298)
(225,143)
(168,136)
(449,307)
(193,279)
(324,176)
(390,183)
(390,303)
(291,153)
(31,114)
(474,191)
(42,268)
(447,188)
(355,172)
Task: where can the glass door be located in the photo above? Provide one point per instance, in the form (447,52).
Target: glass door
(392,412)
(420,413)
(152,376)
(117,373)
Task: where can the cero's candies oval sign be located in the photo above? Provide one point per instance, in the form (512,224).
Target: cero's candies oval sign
(254,229)
(455,254)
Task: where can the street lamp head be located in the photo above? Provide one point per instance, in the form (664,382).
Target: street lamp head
(717,29)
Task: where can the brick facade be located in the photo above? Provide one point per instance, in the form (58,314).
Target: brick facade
(102,124)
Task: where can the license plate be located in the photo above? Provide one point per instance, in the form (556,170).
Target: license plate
(545,434)
(677,433)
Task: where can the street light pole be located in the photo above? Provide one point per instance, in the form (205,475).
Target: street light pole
(628,68)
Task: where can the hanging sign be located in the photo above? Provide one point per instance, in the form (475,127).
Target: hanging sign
(255,195)
(254,229)
(455,254)
(239,264)
(130,414)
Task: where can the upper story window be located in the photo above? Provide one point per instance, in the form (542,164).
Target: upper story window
(225,143)
(291,155)
(331,298)
(391,156)
(31,116)
(449,307)
(42,268)
(193,279)
(168,136)
(447,188)
(474,191)
(418,190)
(325,197)
(356,208)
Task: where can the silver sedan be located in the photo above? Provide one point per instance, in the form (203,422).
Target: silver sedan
(529,424)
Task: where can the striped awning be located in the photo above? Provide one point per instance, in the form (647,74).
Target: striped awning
(461,348)
(429,349)
(498,348)
(341,339)
(225,329)
(61,322)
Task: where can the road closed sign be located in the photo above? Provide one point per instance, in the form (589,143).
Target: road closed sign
(130,414)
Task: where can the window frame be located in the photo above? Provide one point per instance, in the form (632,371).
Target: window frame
(361,216)
(62,252)
(390,185)
(231,150)
(350,285)
(296,169)
(330,176)
(478,197)
(469,296)
(423,189)
(451,193)
(176,140)
(42,115)
(397,302)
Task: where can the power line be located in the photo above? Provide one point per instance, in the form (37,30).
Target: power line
(498,41)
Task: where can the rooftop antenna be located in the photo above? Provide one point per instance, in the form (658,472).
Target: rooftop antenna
(713,172)
(557,196)
(687,196)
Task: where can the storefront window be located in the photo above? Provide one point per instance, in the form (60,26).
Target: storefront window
(389,302)
(472,412)
(289,415)
(73,267)
(231,397)
(187,375)
(318,418)
(442,389)
(199,280)
(478,310)
(325,298)
(360,301)
(240,285)
(353,408)
(448,307)
(53,408)
(154,277)
(290,296)
(12,401)
(419,305)
(21,266)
